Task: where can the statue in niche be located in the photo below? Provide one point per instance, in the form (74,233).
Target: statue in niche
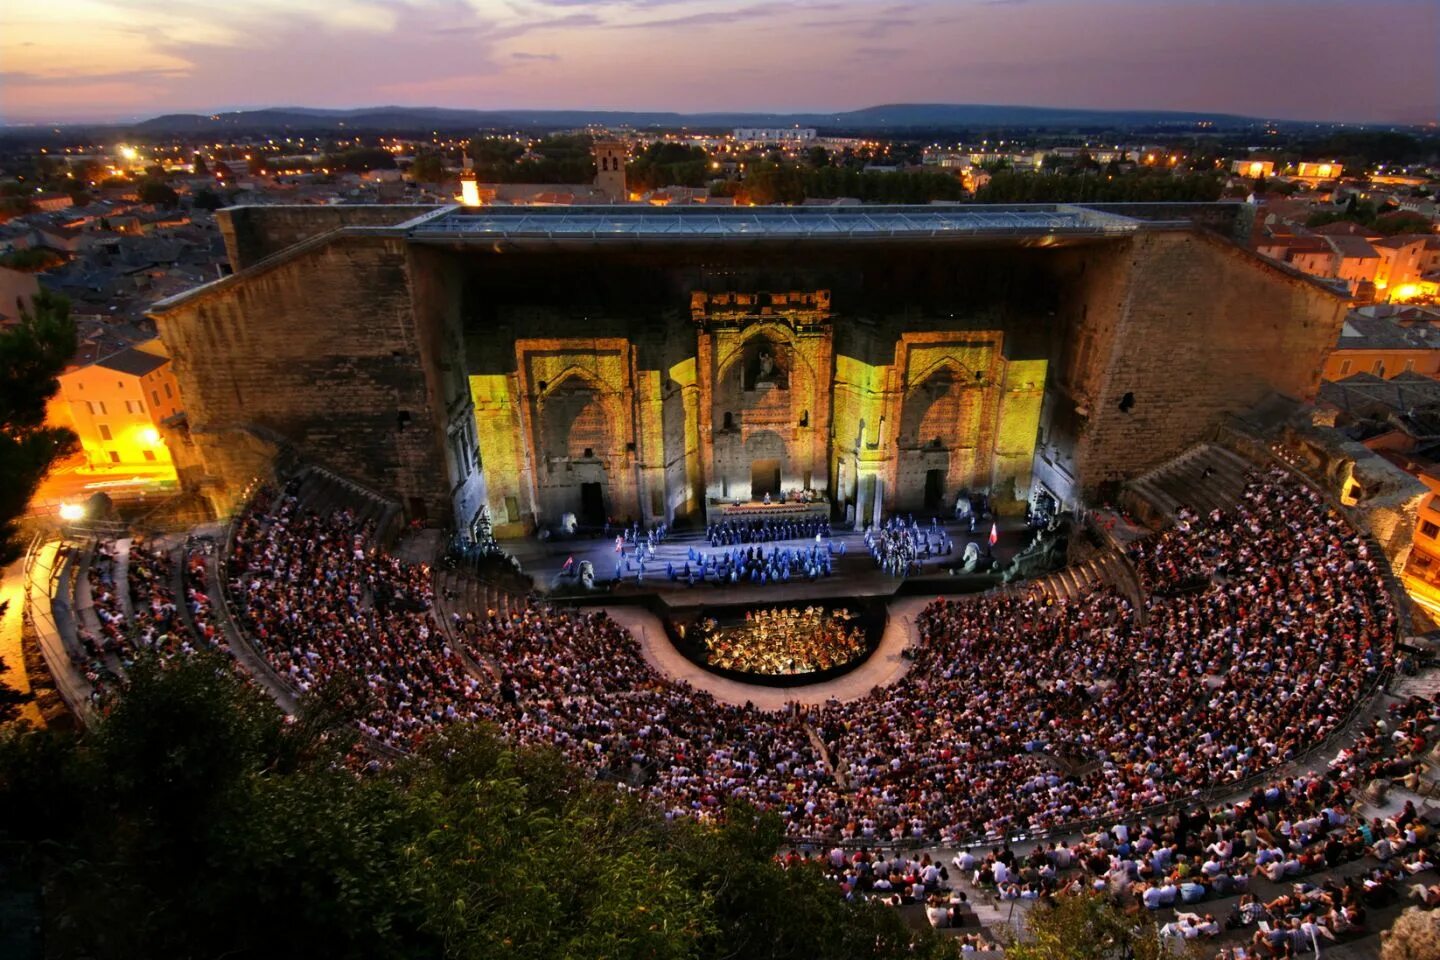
(765,367)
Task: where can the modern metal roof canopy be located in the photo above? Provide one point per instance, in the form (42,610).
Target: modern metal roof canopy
(679,223)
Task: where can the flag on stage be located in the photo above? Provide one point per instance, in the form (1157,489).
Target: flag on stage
(994,534)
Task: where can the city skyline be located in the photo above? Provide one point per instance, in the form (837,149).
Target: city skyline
(118,60)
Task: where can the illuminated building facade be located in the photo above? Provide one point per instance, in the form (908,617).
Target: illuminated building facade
(662,364)
(117,405)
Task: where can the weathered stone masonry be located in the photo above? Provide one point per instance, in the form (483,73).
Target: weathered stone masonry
(534,378)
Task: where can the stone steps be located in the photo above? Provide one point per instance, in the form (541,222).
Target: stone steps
(1426,684)
(1084,577)
(1204,478)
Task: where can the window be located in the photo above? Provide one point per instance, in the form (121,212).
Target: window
(1344,368)
(1429,529)
(149,454)
(114,457)
(168,394)
(97,408)
(155,395)
(1409,366)
(1379,368)
(105,431)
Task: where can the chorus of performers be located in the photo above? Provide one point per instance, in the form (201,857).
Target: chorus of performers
(730,533)
(754,565)
(901,545)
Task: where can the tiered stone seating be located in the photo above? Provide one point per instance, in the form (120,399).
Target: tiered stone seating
(1206,477)
(1079,579)
(323,492)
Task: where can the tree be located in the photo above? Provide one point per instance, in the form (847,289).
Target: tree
(429,167)
(207,199)
(157,192)
(1415,935)
(200,167)
(1403,221)
(32,259)
(194,821)
(1088,926)
(32,354)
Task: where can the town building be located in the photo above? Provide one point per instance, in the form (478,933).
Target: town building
(1385,342)
(781,136)
(118,404)
(1253,169)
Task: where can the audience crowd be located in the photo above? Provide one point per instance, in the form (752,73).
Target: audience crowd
(1261,629)
(1019,714)
(322,602)
(154,624)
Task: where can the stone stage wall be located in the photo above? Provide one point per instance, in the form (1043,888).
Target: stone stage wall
(611,380)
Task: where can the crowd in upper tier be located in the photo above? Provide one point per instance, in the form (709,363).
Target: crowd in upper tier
(1022,712)
(1260,631)
(321,602)
(154,623)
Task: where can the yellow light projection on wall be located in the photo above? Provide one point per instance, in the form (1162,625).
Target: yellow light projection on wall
(498,432)
(859,398)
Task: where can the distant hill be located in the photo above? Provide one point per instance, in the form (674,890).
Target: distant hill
(891,118)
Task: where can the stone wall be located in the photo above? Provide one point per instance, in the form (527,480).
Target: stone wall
(903,365)
(1228,218)
(319,350)
(1204,329)
(253,233)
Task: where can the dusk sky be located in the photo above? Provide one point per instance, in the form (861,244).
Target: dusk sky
(1374,60)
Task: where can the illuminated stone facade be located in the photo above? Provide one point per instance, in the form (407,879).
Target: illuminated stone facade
(621,370)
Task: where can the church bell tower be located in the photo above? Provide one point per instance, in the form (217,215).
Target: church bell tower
(610,169)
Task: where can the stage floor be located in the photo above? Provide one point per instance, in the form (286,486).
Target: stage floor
(855,573)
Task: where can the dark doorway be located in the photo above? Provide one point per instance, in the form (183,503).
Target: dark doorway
(417,509)
(592,504)
(764,478)
(934,489)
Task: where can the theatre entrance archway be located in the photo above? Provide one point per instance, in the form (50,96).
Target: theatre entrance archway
(934,489)
(764,478)
(592,504)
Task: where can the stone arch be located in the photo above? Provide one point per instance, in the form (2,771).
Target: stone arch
(941,409)
(775,332)
(774,404)
(577,412)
